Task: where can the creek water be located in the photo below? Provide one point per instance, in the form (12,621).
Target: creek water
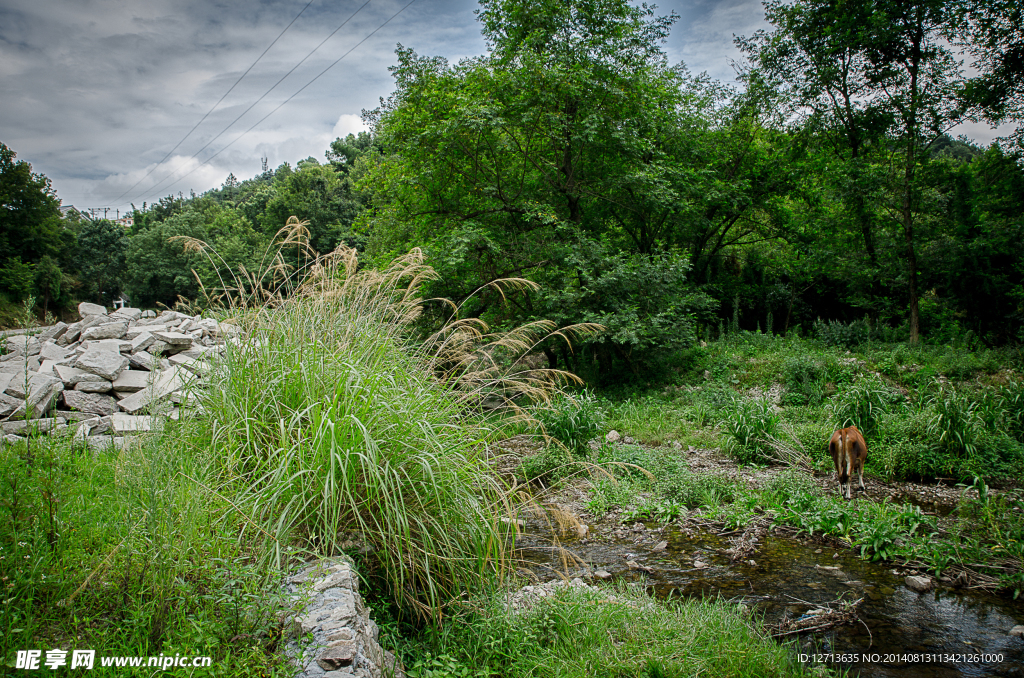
(791,577)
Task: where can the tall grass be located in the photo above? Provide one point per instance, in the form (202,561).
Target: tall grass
(333,425)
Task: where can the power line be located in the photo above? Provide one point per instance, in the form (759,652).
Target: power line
(262,97)
(216,104)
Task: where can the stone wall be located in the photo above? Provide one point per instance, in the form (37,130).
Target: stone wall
(336,635)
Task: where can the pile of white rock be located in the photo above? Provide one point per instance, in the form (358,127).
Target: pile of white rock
(107,375)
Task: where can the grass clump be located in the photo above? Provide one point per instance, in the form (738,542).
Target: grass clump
(608,632)
(748,425)
(332,425)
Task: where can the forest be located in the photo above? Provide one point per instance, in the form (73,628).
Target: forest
(666,206)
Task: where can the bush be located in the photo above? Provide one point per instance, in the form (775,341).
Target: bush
(693,490)
(864,404)
(805,382)
(572,421)
(847,335)
(747,426)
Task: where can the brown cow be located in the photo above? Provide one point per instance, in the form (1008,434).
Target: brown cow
(848,452)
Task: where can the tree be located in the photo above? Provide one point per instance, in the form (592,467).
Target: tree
(102,248)
(30,224)
(866,64)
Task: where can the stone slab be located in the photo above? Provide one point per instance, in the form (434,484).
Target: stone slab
(106,364)
(93,403)
(22,427)
(102,386)
(127,423)
(176,339)
(143,360)
(165,384)
(51,351)
(113,330)
(132,380)
(141,342)
(87,309)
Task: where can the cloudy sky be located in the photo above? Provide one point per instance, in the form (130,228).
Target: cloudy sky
(97,93)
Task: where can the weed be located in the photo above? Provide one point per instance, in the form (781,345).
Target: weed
(864,404)
(571,421)
(747,426)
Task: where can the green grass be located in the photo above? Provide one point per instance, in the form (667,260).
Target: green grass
(610,632)
(128,554)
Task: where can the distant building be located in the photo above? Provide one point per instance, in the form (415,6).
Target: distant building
(70,210)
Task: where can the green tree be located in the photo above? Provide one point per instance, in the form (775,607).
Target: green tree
(102,251)
(30,224)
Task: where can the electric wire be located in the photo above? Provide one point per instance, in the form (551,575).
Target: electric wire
(253,104)
(230,89)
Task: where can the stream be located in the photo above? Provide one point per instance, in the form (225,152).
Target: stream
(791,577)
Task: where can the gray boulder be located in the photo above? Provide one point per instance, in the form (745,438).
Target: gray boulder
(90,402)
(106,364)
(114,330)
(86,309)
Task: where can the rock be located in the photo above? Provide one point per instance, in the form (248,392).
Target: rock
(699,564)
(660,546)
(175,339)
(128,313)
(126,423)
(90,402)
(632,564)
(341,652)
(143,360)
(613,437)
(23,345)
(37,393)
(106,364)
(1017,631)
(919,584)
(106,331)
(142,342)
(132,380)
(148,314)
(191,364)
(54,332)
(20,365)
(51,351)
(8,405)
(22,427)
(582,530)
(5,381)
(86,309)
(97,386)
(603,574)
(628,441)
(164,385)
(115,345)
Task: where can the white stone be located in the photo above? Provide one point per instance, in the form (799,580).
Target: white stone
(1017,631)
(114,330)
(142,342)
(143,360)
(93,403)
(126,423)
(132,380)
(128,313)
(87,309)
(115,345)
(613,437)
(176,339)
(919,584)
(51,351)
(101,386)
(106,364)
(165,384)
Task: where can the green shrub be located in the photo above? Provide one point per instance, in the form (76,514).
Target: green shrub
(548,465)
(789,486)
(572,421)
(846,335)
(863,405)
(694,490)
(956,424)
(805,381)
(746,426)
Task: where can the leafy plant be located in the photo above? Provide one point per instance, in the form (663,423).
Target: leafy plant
(864,404)
(572,421)
(747,426)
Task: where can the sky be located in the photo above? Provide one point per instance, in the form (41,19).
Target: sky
(96,94)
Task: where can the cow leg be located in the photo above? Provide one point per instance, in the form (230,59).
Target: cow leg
(860,474)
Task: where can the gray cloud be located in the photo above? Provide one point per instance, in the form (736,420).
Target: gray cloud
(97,92)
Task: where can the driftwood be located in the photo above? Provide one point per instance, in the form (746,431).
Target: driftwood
(821,617)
